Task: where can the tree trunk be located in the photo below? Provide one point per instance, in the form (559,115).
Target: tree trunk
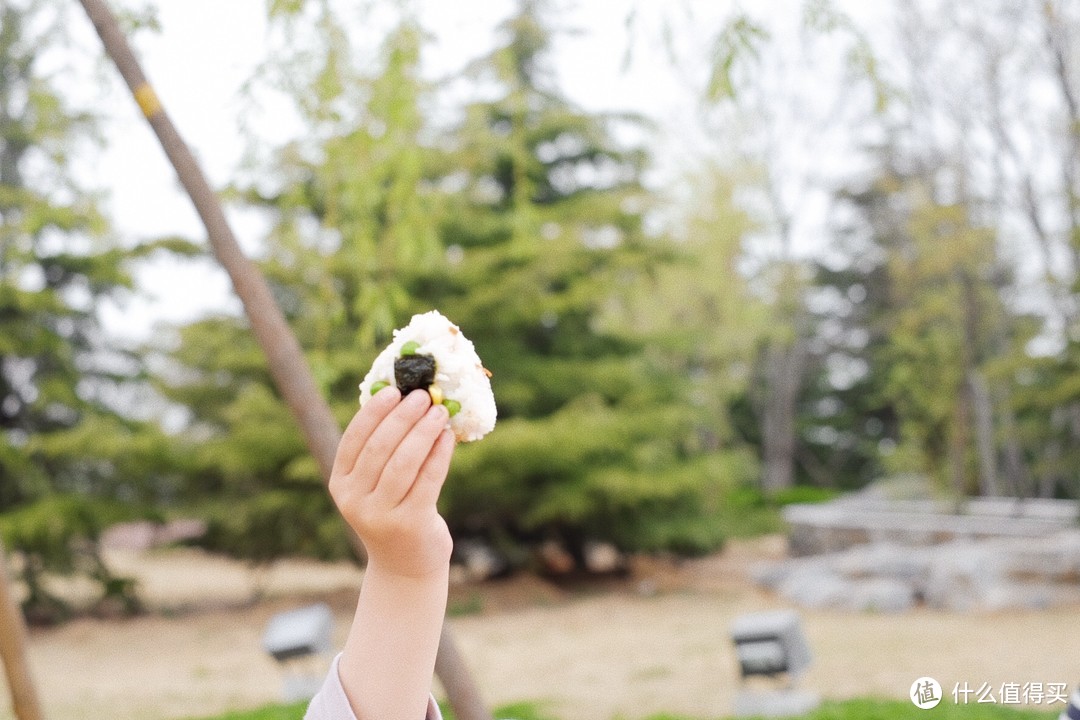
(1051,475)
(13,653)
(1057,45)
(285,359)
(956,449)
(284,356)
(984,435)
(1020,480)
(783,378)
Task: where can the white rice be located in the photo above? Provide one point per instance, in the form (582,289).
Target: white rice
(458,372)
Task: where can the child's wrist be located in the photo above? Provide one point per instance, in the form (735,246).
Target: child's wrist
(435,571)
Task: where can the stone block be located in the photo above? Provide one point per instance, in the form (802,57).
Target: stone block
(770,643)
(815,588)
(884,595)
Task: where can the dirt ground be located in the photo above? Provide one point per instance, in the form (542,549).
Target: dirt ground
(656,641)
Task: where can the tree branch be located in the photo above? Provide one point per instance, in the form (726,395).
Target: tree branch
(13,653)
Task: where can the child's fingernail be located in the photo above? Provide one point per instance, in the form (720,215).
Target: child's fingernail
(419,398)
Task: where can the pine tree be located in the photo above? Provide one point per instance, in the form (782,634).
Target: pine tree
(72,457)
(523,223)
(546,259)
(353,220)
(927,342)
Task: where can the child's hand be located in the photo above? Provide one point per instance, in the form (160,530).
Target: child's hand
(390,466)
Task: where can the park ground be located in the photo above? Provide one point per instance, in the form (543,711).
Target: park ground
(654,641)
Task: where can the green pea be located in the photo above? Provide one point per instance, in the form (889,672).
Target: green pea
(378,385)
(410,348)
(452,406)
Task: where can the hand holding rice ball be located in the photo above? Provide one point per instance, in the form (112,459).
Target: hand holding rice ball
(431,353)
(389,469)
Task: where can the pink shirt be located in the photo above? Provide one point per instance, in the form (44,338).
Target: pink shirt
(330,703)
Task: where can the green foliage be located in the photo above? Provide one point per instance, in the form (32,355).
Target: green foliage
(860,709)
(551,273)
(740,37)
(523,223)
(803,494)
(59,535)
(518,711)
(70,446)
(872,709)
(293,711)
(824,18)
(703,321)
(590,470)
(49,528)
(928,312)
(846,421)
(275,523)
(355,225)
(740,42)
(284,7)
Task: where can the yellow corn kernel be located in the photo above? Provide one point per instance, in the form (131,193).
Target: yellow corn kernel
(436,394)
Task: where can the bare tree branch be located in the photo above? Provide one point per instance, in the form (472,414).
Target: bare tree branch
(1055,42)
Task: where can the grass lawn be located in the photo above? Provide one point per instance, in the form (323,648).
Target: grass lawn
(903,710)
(294,711)
(848,710)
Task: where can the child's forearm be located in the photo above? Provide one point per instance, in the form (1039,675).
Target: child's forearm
(391,464)
(387,664)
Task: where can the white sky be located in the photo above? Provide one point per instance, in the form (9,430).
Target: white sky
(207,49)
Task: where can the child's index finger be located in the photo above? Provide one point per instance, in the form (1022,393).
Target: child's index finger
(361,427)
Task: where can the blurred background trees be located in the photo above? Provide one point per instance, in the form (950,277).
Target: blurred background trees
(547,262)
(869,269)
(523,222)
(76,454)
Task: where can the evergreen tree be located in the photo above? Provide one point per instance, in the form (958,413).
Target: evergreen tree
(546,261)
(353,220)
(71,454)
(923,349)
(523,223)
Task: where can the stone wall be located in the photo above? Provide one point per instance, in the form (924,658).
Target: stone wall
(872,554)
(858,520)
(968,574)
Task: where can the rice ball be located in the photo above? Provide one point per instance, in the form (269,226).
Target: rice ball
(432,353)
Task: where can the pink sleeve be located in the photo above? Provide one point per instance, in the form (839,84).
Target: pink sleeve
(330,703)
